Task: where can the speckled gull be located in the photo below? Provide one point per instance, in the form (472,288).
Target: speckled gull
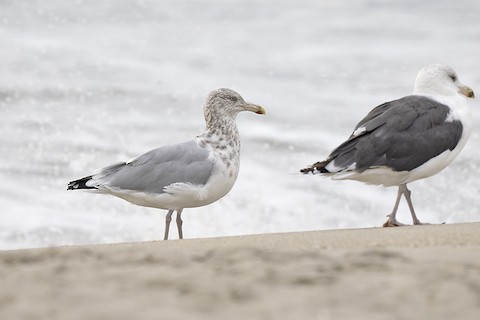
(186,175)
(407,139)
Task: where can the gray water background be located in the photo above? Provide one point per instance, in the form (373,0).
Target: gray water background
(87,83)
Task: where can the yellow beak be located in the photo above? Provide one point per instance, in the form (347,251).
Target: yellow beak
(467,91)
(254,108)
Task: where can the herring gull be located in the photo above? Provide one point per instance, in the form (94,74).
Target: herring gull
(185,175)
(407,139)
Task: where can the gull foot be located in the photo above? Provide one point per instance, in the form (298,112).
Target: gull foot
(392,222)
(418,223)
(395,223)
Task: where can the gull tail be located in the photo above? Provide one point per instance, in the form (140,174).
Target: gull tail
(317,167)
(80,184)
(96,180)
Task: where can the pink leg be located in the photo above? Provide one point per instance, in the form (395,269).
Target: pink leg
(168,218)
(392,220)
(179,223)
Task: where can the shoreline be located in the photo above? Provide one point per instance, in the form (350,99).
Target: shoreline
(457,234)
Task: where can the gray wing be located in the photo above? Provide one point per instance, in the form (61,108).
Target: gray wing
(158,168)
(401,134)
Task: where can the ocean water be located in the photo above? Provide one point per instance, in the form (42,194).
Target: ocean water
(87,83)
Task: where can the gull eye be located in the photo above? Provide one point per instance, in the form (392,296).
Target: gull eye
(232,98)
(453,77)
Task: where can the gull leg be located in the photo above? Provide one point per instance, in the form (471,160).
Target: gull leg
(392,220)
(407,193)
(179,223)
(168,218)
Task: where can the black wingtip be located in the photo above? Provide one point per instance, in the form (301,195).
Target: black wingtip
(307,170)
(318,167)
(80,184)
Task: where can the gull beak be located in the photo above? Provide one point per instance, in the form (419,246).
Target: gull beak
(254,108)
(466,91)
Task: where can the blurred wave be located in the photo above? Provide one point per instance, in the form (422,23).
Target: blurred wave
(88,83)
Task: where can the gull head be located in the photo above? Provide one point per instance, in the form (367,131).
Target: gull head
(226,103)
(437,79)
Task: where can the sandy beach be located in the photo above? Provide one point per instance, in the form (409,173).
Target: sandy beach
(423,272)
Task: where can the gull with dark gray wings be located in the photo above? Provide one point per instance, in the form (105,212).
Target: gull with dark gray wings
(407,139)
(185,175)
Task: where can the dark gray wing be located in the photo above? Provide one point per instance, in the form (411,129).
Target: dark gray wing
(151,172)
(401,134)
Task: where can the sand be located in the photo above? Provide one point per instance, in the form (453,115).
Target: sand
(422,272)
